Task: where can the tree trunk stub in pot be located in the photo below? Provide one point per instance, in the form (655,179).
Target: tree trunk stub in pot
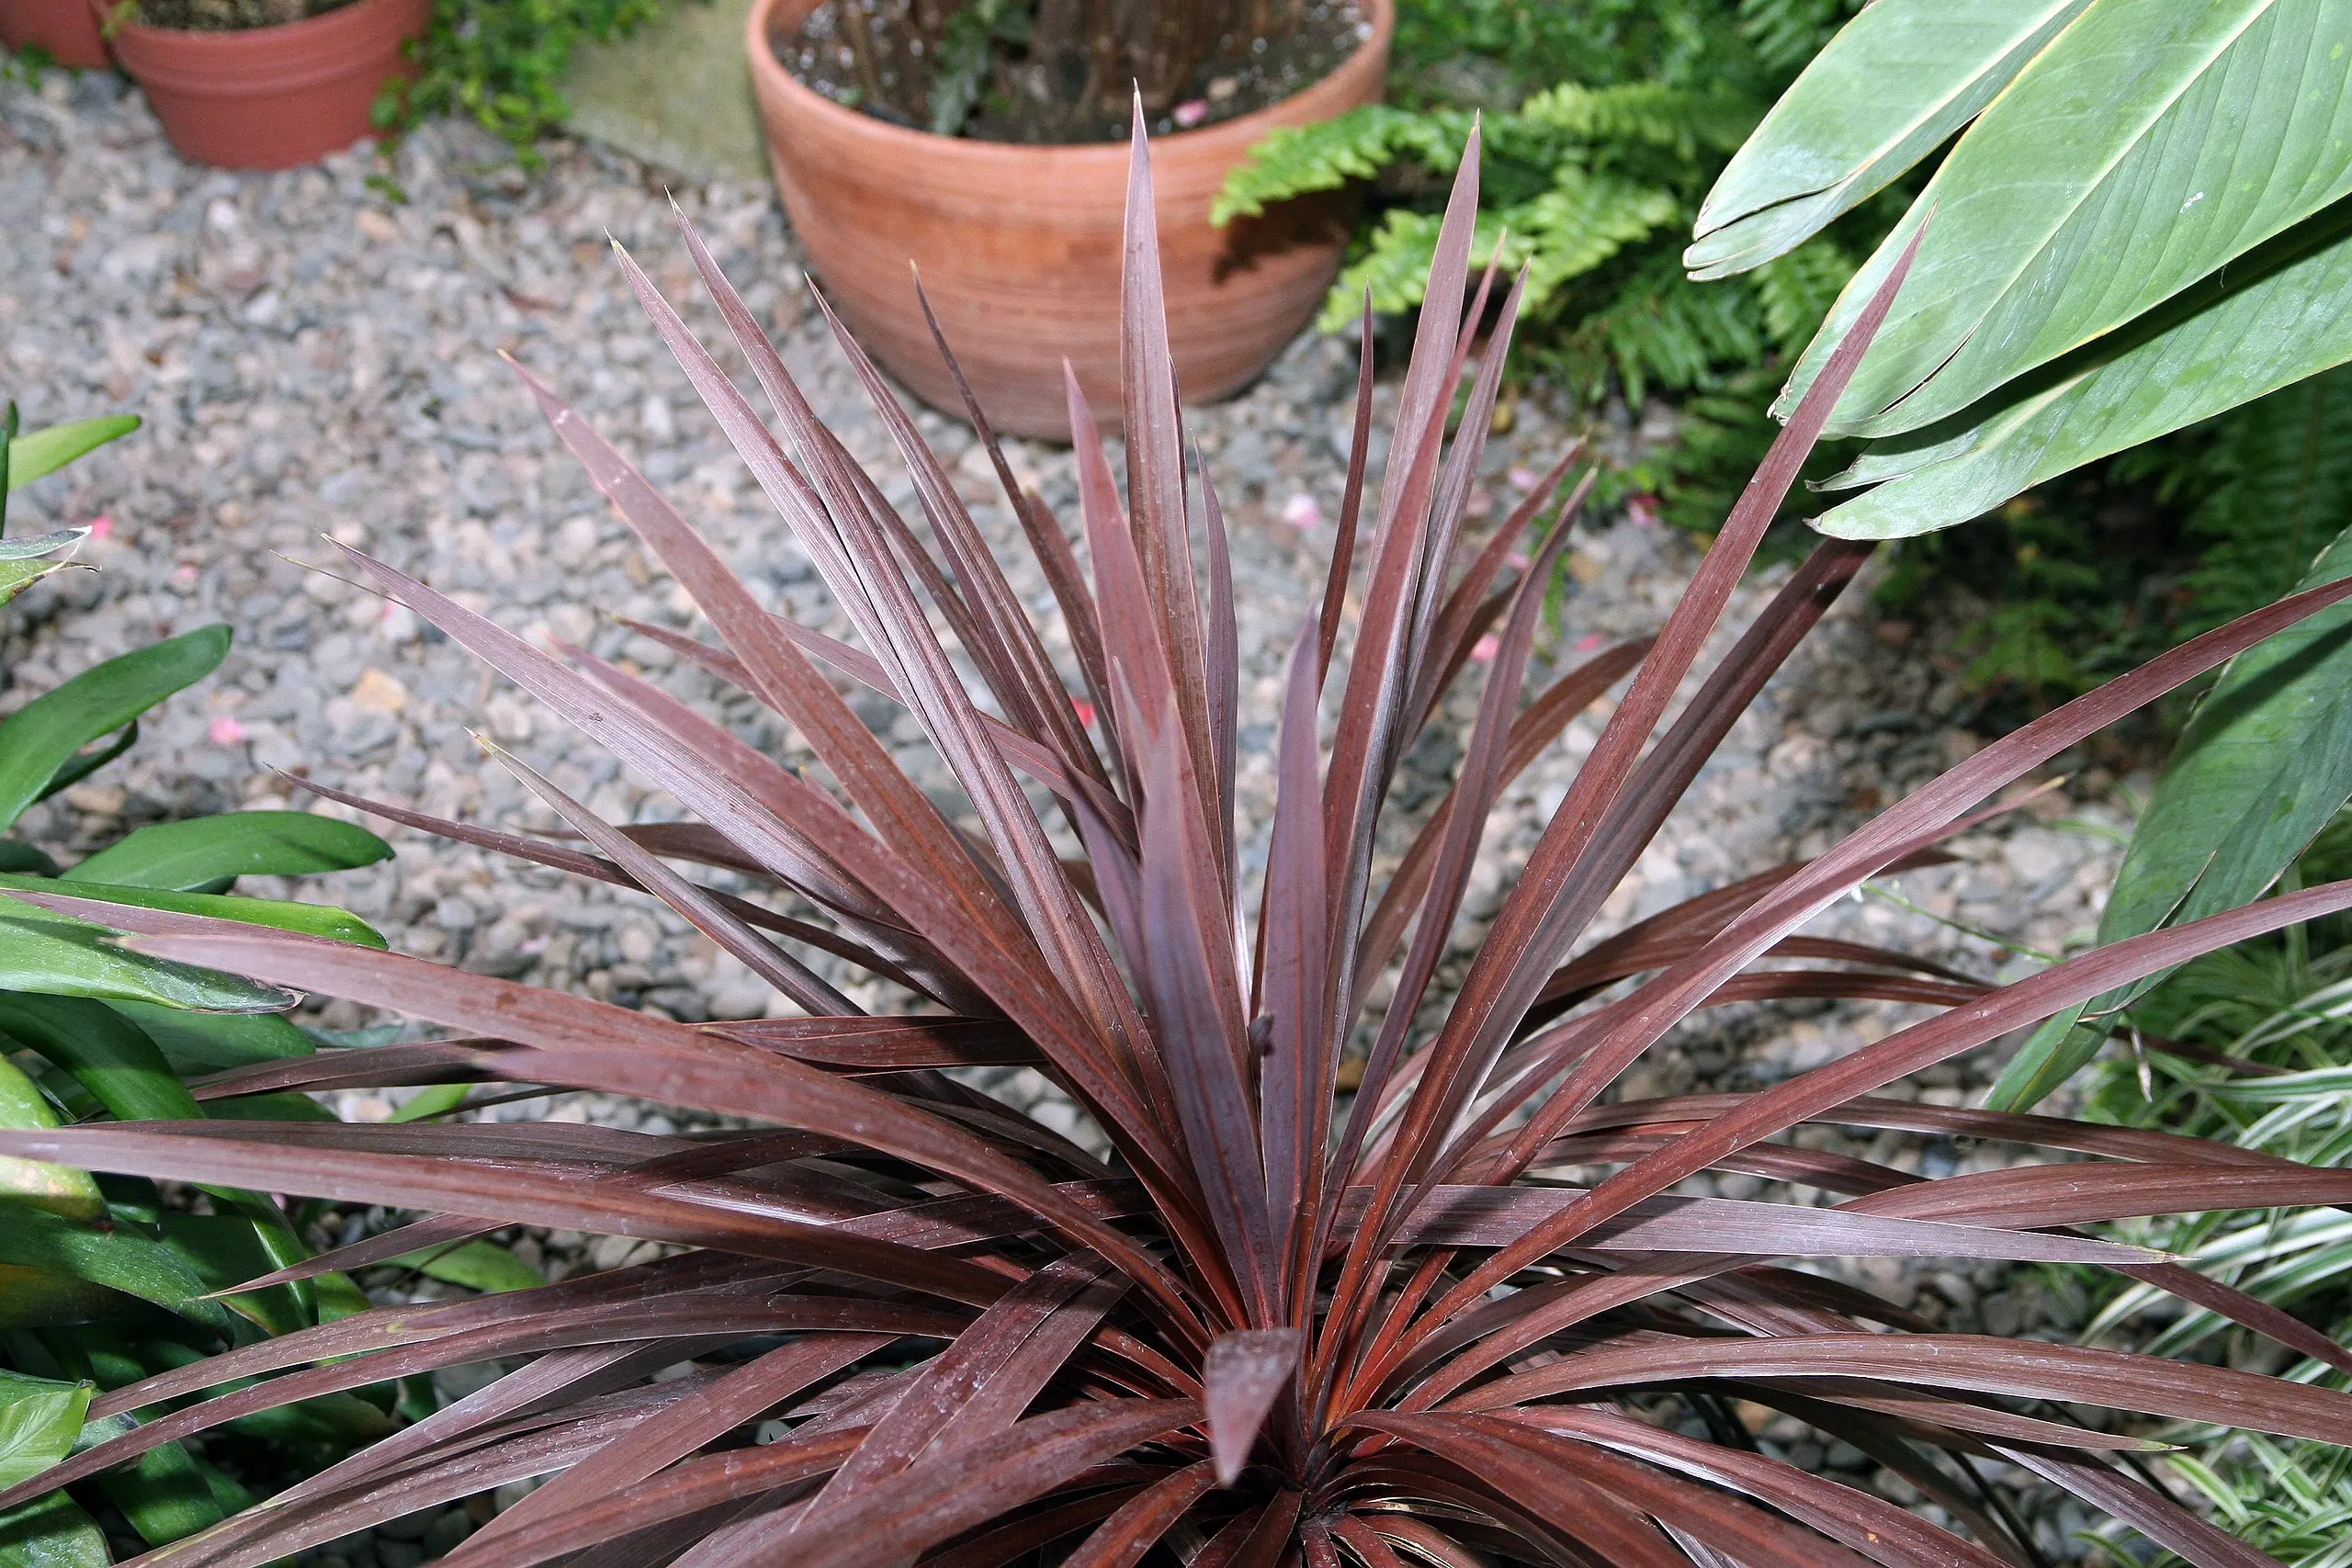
(271,98)
(1019,244)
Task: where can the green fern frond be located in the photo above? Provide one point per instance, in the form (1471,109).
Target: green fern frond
(1662,328)
(1787,33)
(2269,485)
(1582,222)
(1355,146)
(1394,266)
(1650,112)
(1798,288)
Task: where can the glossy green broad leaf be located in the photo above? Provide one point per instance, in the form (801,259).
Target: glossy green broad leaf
(478,1265)
(2265,763)
(61,957)
(40,739)
(62,1191)
(1890,87)
(164,1495)
(2144,149)
(39,1423)
(121,1259)
(121,1068)
(24,562)
(45,1298)
(200,1043)
(18,856)
(204,853)
(2274,319)
(51,1532)
(39,453)
(307,920)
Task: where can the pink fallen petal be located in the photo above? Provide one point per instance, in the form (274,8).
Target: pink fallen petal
(185,575)
(102,526)
(1524,478)
(1642,511)
(1301,513)
(1191,113)
(1085,710)
(227,731)
(1587,642)
(1517,561)
(1483,651)
(1481,503)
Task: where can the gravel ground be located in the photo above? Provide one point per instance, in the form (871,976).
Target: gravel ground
(310,357)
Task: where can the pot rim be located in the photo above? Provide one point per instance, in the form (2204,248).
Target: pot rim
(769,75)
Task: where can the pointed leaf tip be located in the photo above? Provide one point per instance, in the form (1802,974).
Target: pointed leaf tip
(1243,1375)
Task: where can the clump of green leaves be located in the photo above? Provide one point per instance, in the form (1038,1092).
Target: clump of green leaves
(501,63)
(2253,1046)
(104,1282)
(967,51)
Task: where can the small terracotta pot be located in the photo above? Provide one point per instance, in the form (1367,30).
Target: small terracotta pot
(272,97)
(1019,245)
(64,27)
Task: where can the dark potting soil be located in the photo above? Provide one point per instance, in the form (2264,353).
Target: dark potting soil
(874,56)
(230,16)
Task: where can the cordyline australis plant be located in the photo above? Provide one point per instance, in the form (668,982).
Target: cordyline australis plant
(1273,1325)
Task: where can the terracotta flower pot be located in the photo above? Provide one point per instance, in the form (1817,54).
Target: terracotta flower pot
(1019,245)
(272,97)
(64,27)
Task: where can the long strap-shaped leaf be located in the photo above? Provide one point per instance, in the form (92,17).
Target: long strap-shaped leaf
(637,1053)
(1195,1006)
(1301,1064)
(1526,941)
(1674,993)
(1121,1540)
(2020,1368)
(1372,707)
(982,1381)
(1877,1529)
(1052,911)
(782,676)
(953,1489)
(1052,551)
(714,919)
(1160,520)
